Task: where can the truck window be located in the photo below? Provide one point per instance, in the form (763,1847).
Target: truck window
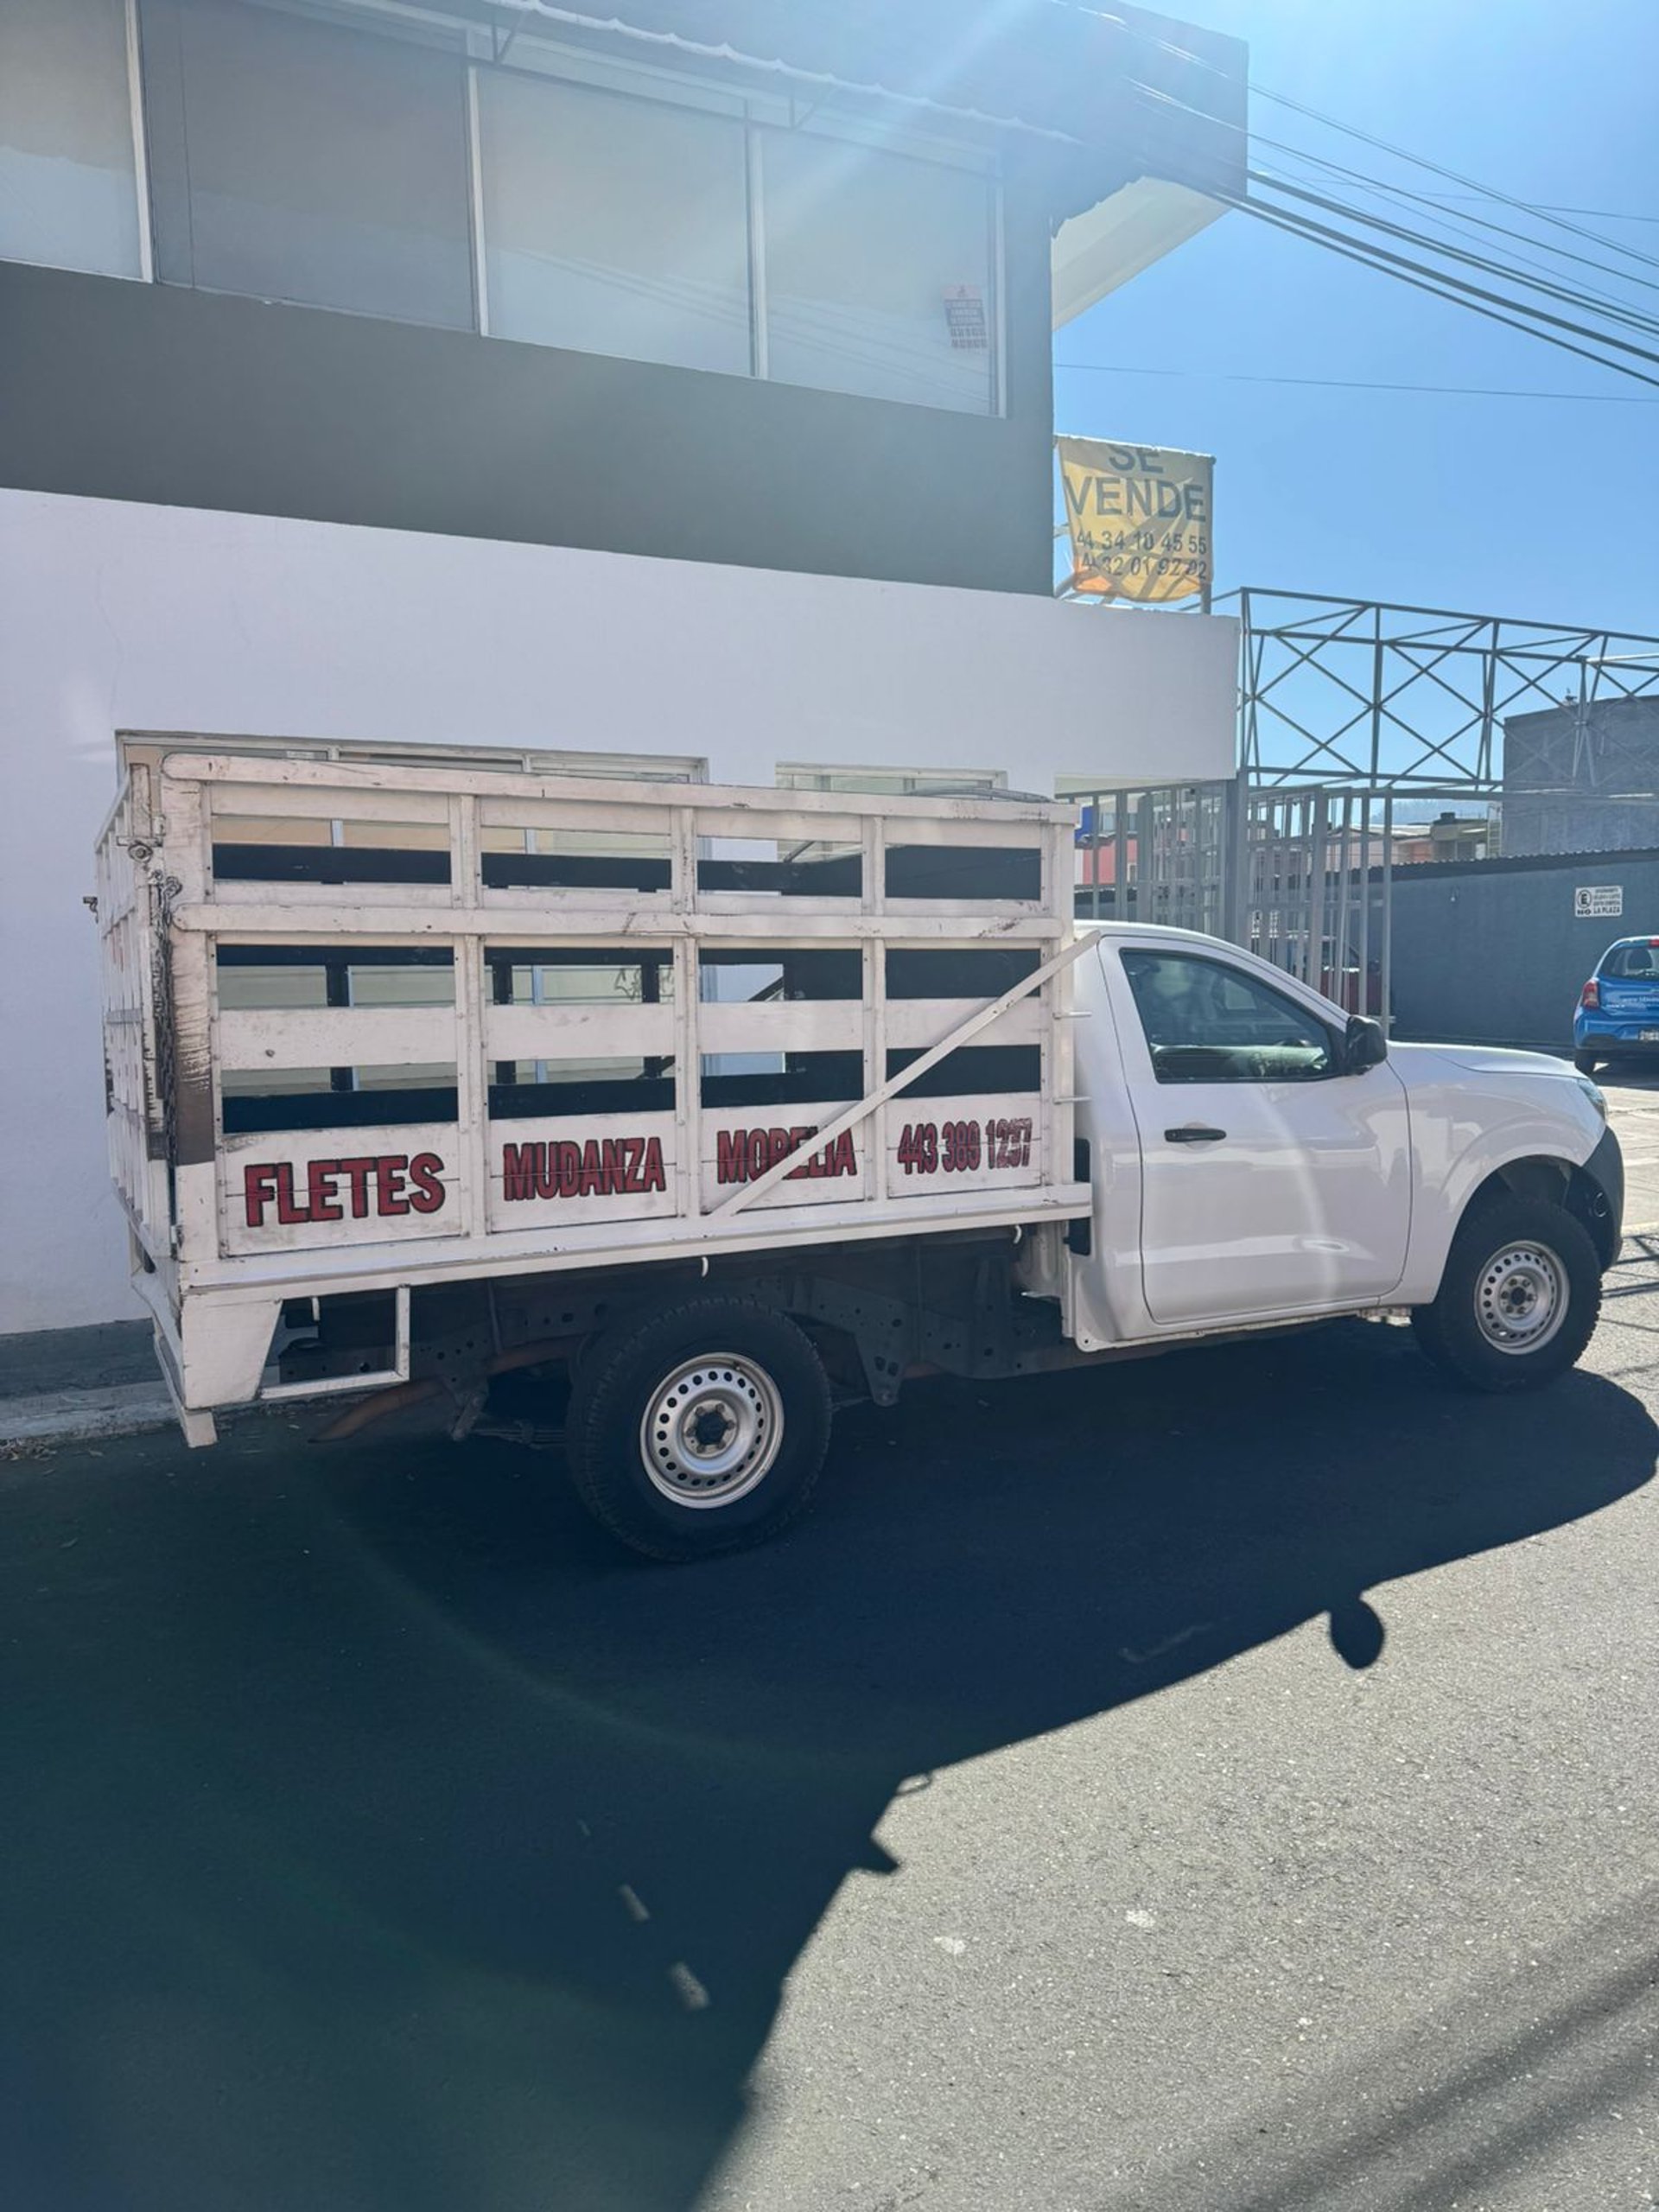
(1206,1022)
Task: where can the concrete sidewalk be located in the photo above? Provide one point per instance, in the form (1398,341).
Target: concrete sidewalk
(1633,1108)
(62,1385)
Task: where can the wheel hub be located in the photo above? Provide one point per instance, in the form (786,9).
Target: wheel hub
(1521,1298)
(712,1430)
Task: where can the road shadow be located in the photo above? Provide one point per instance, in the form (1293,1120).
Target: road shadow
(380,1839)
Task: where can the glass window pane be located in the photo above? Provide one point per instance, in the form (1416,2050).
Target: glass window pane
(868,257)
(613,225)
(68,196)
(318,165)
(1206,1022)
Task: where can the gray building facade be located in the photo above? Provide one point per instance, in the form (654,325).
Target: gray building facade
(762,282)
(1496,952)
(1583,777)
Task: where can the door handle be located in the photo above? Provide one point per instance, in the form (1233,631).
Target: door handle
(1194,1133)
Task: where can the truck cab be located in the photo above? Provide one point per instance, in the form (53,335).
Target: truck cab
(1257,1155)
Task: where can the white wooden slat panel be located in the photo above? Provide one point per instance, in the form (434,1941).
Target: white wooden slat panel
(638,817)
(919,1023)
(577,1170)
(297,802)
(784,912)
(242,1282)
(1004,1151)
(609,909)
(180,768)
(738,1142)
(786,826)
(289,901)
(986,911)
(261,910)
(1017,835)
(782,1026)
(555,1032)
(562,1192)
(341,1036)
(294,1189)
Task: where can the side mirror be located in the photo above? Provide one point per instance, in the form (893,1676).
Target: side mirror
(1365,1047)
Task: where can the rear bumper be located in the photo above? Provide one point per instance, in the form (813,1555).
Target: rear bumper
(1599,1033)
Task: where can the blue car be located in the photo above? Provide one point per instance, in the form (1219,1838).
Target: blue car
(1618,1007)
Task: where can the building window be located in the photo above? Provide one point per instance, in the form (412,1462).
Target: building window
(878,273)
(296,161)
(373,162)
(614,224)
(68,182)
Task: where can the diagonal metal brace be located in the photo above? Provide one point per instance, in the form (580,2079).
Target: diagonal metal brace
(746,1192)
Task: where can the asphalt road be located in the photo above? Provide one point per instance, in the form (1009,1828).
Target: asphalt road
(1222,1784)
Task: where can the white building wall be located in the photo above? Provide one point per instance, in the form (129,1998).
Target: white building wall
(124,617)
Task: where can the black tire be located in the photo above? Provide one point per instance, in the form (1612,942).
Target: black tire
(773,1395)
(1585,1063)
(1450,1331)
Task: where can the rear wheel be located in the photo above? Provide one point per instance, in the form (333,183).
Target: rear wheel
(1519,1300)
(1586,1063)
(700,1428)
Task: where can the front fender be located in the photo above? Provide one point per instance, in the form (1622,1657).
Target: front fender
(1448,1183)
(1605,1169)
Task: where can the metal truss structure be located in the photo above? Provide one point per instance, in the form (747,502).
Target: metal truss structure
(1354,694)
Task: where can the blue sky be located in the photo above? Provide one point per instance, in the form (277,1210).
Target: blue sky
(1538,509)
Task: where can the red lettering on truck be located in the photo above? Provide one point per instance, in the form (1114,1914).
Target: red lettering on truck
(612,1168)
(393,1184)
(743,1156)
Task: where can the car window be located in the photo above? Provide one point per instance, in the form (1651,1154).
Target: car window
(1206,1022)
(1630,962)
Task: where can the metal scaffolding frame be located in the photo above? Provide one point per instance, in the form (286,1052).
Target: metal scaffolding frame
(1354,693)
(1348,710)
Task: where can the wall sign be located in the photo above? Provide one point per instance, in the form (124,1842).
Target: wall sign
(1597,902)
(1140,520)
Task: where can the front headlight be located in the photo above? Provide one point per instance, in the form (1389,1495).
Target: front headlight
(1594,1092)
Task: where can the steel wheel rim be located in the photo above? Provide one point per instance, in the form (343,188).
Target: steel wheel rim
(1521,1299)
(712,1430)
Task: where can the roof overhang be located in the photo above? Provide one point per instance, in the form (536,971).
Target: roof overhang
(1115,97)
(1126,233)
(1133,124)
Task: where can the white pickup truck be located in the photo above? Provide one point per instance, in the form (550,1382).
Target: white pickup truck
(728,1104)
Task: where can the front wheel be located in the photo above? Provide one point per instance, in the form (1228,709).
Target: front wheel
(1519,1300)
(700,1428)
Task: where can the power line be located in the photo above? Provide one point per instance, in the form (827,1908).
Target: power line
(1370,183)
(1529,319)
(1454,176)
(1360,384)
(1555,207)
(1351,131)
(1570,296)
(1441,281)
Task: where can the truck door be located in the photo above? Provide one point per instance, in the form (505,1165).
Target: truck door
(1272,1182)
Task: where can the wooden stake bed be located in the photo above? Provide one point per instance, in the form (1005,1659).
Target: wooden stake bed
(371,1025)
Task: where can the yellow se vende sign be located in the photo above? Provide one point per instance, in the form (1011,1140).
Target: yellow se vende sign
(1140,520)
